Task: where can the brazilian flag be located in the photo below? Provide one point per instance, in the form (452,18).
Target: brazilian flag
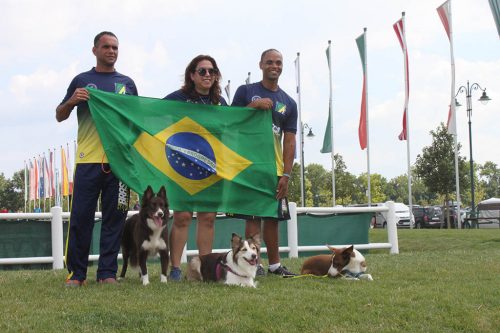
(210,158)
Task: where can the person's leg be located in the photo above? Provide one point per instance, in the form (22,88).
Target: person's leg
(114,212)
(85,193)
(252,227)
(205,232)
(271,238)
(178,239)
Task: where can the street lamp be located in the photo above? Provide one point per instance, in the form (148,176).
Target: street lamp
(302,178)
(484,99)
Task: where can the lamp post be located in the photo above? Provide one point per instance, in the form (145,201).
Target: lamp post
(302,177)
(484,99)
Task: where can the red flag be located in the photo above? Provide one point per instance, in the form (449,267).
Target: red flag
(362,129)
(399,28)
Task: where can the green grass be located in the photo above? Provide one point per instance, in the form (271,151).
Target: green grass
(442,281)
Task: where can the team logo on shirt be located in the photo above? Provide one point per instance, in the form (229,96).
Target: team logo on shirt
(254,98)
(92,85)
(280,107)
(120,88)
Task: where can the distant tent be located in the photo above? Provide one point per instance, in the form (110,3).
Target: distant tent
(489,208)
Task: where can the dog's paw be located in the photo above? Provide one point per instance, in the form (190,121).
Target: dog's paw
(163,278)
(367,277)
(145,280)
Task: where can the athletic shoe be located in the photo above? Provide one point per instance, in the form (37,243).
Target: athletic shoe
(74,283)
(109,280)
(175,274)
(260,271)
(283,271)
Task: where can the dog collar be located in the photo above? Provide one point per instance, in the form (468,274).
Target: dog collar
(351,274)
(221,265)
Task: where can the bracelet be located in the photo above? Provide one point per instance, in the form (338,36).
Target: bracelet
(286,175)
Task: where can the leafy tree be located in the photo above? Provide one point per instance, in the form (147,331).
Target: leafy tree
(489,179)
(320,193)
(377,187)
(435,166)
(12,192)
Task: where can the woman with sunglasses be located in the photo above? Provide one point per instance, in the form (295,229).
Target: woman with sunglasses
(201,85)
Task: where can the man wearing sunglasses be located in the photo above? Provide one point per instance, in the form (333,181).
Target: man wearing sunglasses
(267,95)
(201,85)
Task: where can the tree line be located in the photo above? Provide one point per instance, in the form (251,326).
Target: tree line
(433,181)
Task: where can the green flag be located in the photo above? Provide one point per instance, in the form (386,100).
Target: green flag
(327,139)
(210,158)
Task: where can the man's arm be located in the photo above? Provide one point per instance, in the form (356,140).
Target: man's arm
(64,110)
(288,156)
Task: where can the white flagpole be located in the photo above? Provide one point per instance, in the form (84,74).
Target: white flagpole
(227,89)
(302,180)
(330,103)
(367,125)
(407,92)
(25,186)
(452,106)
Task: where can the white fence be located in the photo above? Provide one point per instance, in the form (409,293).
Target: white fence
(56,216)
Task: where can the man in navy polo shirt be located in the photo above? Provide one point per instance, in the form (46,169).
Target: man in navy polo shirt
(93,176)
(267,95)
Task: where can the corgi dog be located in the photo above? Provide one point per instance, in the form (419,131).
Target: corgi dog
(236,267)
(346,262)
(146,234)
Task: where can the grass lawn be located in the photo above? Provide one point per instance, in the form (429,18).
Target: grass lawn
(442,281)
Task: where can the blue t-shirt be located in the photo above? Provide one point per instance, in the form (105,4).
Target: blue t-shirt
(90,148)
(180,95)
(284,113)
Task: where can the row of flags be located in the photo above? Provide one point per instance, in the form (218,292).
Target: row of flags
(44,180)
(444,12)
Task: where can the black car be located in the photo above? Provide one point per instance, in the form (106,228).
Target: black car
(427,217)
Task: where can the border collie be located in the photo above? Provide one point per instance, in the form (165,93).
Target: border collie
(347,262)
(146,234)
(236,267)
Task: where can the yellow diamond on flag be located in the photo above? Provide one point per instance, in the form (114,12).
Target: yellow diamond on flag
(190,155)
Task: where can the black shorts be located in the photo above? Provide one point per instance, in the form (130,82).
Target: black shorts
(283,213)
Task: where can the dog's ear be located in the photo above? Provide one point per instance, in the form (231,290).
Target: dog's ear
(334,250)
(162,193)
(148,194)
(256,239)
(350,250)
(235,241)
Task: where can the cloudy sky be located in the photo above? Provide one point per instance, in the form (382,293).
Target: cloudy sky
(44,44)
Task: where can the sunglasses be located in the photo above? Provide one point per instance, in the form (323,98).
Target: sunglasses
(203,71)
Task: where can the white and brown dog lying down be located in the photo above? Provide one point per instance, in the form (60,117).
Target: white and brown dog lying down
(346,262)
(236,267)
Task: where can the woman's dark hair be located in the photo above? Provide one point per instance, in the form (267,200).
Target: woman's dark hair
(188,87)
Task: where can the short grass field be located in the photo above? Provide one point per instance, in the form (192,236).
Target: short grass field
(442,281)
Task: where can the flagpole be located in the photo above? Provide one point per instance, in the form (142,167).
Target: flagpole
(25,186)
(330,107)
(452,105)
(302,180)
(444,12)
(367,124)
(407,117)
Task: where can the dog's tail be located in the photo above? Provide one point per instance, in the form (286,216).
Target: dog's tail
(194,270)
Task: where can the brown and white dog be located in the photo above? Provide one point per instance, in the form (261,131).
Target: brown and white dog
(146,234)
(346,262)
(236,267)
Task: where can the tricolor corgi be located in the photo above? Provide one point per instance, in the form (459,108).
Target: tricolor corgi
(146,234)
(236,267)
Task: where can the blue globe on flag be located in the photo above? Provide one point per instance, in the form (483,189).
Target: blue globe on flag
(190,155)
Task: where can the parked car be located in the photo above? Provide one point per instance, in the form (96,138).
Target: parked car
(427,217)
(402,212)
